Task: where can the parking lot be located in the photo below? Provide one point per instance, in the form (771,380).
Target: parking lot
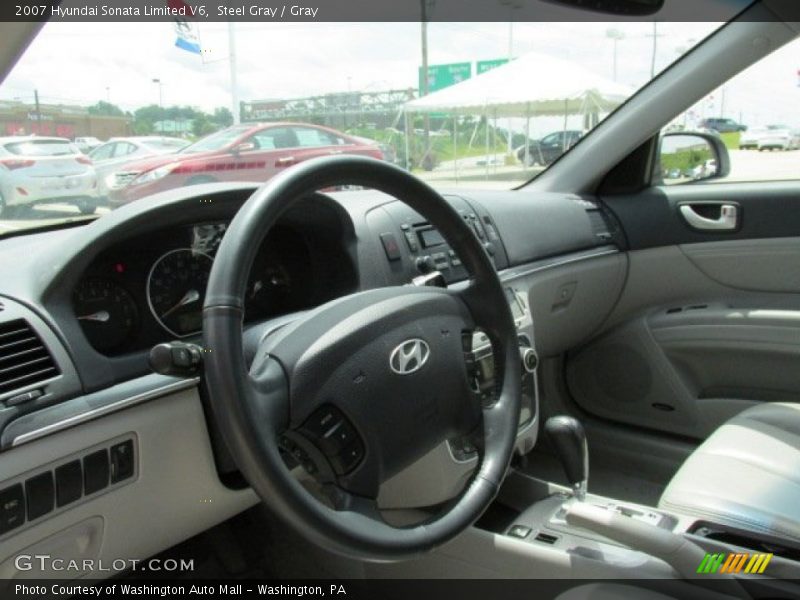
(480,172)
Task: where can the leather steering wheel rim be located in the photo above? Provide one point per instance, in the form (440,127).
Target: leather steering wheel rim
(253,406)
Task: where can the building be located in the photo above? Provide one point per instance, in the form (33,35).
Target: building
(19,118)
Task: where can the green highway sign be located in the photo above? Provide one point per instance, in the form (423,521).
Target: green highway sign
(487,65)
(442,76)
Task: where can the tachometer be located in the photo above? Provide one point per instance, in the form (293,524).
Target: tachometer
(176,288)
(106,311)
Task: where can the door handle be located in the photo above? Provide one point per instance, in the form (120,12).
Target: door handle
(285,161)
(728,219)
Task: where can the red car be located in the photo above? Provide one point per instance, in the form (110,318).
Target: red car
(247,152)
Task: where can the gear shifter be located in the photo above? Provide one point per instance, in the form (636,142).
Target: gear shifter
(569,438)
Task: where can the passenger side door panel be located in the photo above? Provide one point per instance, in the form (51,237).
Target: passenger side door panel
(709,321)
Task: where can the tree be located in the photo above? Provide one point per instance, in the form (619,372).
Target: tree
(106,109)
(222,117)
(202,125)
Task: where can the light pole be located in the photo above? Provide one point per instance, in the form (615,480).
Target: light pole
(616,36)
(655,35)
(157,81)
(108,94)
(512,5)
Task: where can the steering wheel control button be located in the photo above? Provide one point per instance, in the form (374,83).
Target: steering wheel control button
(346,461)
(40,495)
(122,461)
(519,531)
(69,483)
(390,246)
(321,421)
(95,471)
(337,438)
(12,508)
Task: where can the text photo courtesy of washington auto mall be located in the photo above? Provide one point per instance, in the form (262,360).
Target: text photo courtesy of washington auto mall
(400,299)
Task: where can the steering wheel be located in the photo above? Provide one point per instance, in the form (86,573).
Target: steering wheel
(364,385)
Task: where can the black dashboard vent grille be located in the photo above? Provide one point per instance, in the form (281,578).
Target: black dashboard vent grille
(24,359)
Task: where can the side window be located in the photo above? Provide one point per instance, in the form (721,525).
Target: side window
(552,139)
(274,138)
(103,152)
(308,137)
(123,149)
(755,115)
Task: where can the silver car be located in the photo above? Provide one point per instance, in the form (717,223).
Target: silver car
(116,152)
(35,170)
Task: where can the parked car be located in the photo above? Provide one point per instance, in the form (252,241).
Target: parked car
(34,170)
(546,150)
(749,139)
(779,138)
(247,152)
(87,144)
(117,152)
(722,125)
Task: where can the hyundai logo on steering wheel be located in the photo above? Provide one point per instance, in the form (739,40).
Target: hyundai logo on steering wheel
(409,356)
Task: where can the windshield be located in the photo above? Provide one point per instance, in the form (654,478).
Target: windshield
(489,105)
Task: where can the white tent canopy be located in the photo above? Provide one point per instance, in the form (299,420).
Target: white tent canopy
(531,85)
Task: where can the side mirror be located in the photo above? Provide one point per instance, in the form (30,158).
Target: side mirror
(689,157)
(243,147)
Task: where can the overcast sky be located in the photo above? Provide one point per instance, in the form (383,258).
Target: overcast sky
(75,63)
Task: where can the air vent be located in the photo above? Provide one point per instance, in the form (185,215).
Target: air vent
(599,225)
(24,359)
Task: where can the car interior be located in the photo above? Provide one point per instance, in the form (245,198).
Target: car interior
(590,377)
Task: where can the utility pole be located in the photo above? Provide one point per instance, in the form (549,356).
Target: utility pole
(235,108)
(616,36)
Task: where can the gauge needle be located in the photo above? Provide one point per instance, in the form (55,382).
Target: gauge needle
(100,316)
(188,298)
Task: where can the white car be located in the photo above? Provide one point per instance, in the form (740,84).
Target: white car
(749,139)
(771,137)
(779,139)
(35,170)
(116,152)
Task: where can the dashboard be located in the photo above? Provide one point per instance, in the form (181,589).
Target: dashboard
(91,301)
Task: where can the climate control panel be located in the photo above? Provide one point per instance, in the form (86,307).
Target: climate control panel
(412,247)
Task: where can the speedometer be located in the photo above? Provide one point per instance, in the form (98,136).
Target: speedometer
(176,288)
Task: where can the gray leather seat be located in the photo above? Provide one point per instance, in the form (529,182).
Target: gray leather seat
(746,474)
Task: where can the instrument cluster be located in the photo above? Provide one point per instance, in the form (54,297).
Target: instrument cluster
(151,289)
